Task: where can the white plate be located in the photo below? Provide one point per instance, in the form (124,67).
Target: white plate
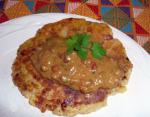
(133,103)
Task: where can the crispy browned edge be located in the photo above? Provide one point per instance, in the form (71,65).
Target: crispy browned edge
(84,109)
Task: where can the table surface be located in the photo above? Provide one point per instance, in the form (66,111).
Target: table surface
(130,16)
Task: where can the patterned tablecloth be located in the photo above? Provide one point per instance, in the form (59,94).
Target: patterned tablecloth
(130,16)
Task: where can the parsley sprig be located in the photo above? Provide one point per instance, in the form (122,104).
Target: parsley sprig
(81,44)
(97,50)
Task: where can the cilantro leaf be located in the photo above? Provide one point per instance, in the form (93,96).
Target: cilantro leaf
(82,53)
(77,46)
(97,50)
(71,43)
(80,43)
(85,40)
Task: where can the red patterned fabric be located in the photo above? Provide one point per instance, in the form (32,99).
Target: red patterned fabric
(130,16)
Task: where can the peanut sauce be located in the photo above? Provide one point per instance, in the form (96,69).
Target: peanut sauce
(52,62)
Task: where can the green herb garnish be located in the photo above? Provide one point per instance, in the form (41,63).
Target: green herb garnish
(97,50)
(82,53)
(80,43)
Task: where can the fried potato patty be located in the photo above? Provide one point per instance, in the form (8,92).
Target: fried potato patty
(48,90)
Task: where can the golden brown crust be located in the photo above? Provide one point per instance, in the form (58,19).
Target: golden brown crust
(47,94)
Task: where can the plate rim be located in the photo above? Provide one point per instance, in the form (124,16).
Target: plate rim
(83,16)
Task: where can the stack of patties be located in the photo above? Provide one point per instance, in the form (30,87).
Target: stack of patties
(71,66)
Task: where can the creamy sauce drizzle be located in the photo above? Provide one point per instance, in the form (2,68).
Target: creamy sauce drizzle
(87,76)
